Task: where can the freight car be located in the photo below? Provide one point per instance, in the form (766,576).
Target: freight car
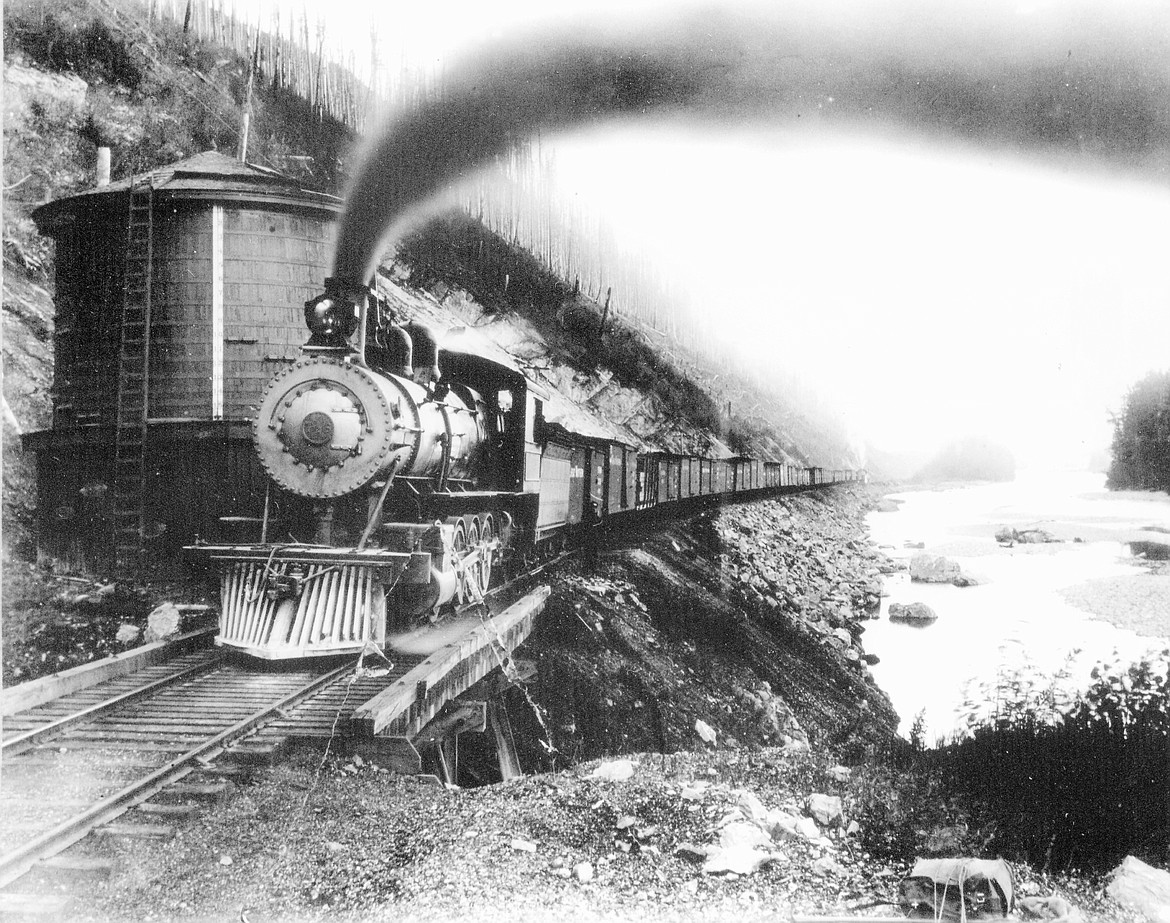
(409,468)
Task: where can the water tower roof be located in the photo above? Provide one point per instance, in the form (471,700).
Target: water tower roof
(209,176)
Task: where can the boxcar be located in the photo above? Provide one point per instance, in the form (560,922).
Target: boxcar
(623,477)
(739,474)
(563,487)
(647,493)
(669,466)
(597,477)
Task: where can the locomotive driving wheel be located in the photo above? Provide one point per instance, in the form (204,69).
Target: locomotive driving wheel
(487,535)
(459,552)
(473,589)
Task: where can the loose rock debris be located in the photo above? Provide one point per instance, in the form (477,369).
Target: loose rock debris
(739,844)
(738,627)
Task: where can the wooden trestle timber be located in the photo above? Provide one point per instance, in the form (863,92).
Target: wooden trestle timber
(387,717)
(405,707)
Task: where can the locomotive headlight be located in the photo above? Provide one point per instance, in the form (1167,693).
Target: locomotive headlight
(330,320)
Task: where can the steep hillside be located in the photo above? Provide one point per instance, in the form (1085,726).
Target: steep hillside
(80,75)
(636,377)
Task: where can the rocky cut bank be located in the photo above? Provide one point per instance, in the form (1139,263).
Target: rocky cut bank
(748,618)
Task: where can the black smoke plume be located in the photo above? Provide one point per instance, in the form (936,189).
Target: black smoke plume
(1086,84)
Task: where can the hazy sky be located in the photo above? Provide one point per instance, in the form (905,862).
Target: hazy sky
(930,291)
(940,264)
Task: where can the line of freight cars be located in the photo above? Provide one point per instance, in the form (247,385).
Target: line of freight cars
(600,478)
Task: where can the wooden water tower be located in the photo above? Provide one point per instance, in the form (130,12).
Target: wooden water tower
(179,293)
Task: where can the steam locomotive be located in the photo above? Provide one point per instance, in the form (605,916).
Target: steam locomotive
(420,465)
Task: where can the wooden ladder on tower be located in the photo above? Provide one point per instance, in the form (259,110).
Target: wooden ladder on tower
(133,366)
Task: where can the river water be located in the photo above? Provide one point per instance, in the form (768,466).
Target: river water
(1040,608)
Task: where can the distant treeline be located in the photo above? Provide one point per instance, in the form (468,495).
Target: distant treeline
(1141,437)
(971,459)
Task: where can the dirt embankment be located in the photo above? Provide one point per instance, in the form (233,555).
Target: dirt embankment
(747,618)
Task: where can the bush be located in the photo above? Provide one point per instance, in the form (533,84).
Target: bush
(906,810)
(1078,783)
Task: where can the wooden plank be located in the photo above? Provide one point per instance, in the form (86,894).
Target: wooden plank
(97,866)
(169,714)
(123,735)
(126,746)
(214,792)
(138,831)
(39,691)
(395,702)
(176,811)
(397,754)
(456,718)
(506,752)
(38,764)
(147,721)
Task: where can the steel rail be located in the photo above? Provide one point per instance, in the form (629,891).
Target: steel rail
(28,738)
(19,861)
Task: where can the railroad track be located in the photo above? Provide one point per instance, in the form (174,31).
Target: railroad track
(83,761)
(92,759)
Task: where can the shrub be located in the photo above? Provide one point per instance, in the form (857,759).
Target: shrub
(906,811)
(1078,783)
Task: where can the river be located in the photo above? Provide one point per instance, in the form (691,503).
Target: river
(1044,608)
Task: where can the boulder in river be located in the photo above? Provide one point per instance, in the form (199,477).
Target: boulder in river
(1151,551)
(914,613)
(1011,536)
(933,568)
